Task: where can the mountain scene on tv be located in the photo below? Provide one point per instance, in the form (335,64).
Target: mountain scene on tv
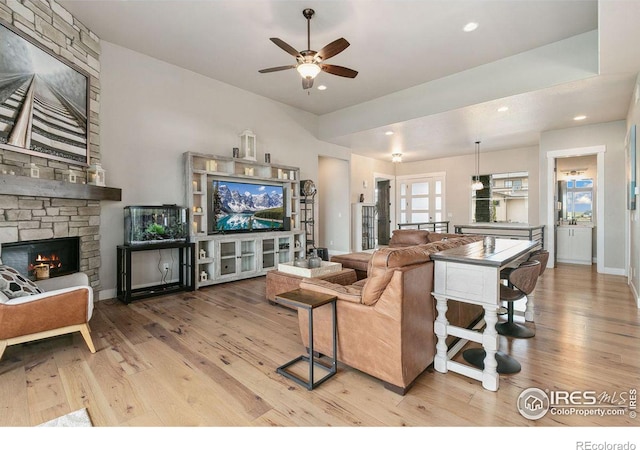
(245,207)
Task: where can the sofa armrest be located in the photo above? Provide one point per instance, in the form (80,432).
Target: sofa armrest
(349,293)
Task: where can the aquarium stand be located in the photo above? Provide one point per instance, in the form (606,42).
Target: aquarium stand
(186,270)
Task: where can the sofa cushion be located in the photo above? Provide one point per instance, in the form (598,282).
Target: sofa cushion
(382,265)
(434,237)
(356,261)
(14,285)
(408,237)
(398,257)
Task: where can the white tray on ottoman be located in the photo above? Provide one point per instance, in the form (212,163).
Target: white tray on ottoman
(325,268)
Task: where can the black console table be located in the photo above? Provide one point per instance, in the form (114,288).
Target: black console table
(186,270)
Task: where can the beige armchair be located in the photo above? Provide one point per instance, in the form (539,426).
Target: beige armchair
(65,305)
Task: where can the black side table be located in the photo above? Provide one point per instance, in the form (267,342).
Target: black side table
(310,300)
(186,271)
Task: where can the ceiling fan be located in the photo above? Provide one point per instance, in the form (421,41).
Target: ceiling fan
(310,63)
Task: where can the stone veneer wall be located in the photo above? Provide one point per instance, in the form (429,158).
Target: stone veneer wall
(30,218)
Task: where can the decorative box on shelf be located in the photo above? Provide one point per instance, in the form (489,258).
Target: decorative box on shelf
(325,268)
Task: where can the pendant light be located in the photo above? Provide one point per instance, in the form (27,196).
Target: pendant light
(477,184)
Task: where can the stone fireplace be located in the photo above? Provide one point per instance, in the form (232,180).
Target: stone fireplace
(50,207)
(32,219)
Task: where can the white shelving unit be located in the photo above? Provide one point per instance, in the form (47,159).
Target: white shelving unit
(228,257)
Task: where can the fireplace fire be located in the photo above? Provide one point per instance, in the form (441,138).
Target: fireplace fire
(44,265)
(39,260)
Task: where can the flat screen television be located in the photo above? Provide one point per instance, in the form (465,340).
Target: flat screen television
(238,207)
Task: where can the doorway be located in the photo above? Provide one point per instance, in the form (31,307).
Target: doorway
(383,197)
(552,199)
(383,206)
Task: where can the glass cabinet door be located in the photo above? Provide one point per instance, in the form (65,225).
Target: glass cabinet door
(227,258)
(284,249)
(269,253)
(247,255)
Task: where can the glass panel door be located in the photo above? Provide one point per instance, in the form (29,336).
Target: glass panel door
(421,199)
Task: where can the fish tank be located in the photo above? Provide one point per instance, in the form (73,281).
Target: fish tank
(155,224)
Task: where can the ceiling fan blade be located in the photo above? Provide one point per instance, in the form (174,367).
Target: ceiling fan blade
(275,69)
(286,47)
(338,70)
(307,83)
(333,49)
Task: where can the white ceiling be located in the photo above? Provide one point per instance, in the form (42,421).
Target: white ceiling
(420,75)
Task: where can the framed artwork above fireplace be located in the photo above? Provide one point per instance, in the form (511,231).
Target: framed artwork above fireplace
(44,101)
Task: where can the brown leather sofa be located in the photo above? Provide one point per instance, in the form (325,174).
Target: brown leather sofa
(359,261)
(385,322)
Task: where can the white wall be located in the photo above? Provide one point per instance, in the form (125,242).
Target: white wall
(363,170)
(611,135)
(152,112)
(460,169)
(333,221)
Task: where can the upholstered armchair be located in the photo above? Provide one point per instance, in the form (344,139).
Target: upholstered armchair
(30,311)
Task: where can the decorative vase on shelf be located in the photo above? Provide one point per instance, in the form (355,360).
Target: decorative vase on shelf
(314,260)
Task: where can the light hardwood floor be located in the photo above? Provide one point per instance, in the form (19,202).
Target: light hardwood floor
(208,358)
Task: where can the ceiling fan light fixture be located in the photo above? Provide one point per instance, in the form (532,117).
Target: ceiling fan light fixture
(308,70)
(309,63)
(396,157)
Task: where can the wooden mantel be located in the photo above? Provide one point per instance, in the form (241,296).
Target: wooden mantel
(38,187)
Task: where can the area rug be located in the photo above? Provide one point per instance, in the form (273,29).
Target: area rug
(79,418)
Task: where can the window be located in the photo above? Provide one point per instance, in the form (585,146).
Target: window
(505,198)
(576,197)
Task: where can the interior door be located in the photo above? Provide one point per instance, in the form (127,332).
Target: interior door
(383,205)
(421,199)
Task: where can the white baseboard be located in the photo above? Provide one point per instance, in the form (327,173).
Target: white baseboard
(614,271)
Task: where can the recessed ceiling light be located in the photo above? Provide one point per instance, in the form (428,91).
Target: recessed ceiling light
(471,26)
(503,109)
(388,133)
(581,117)
(322,87)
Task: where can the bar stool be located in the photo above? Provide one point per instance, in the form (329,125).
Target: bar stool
(538,255)
(522,281)
(543,257)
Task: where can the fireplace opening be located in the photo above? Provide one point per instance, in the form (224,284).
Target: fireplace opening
(41,259)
